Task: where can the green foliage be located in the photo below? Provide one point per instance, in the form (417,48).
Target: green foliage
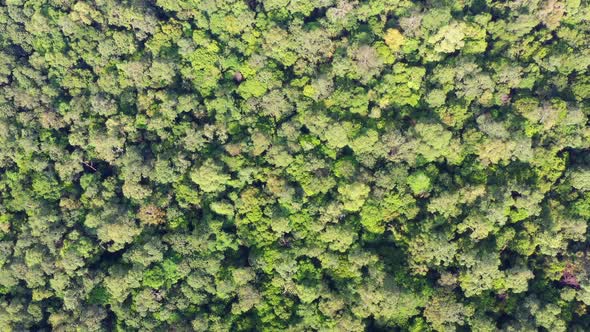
(353,195)
(419,183)
(210,177)
(303,165)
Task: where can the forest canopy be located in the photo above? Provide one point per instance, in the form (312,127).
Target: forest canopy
(302,165)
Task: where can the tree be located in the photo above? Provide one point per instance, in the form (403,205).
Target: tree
(394,39)
(210,177)
(353,195)
(419,183)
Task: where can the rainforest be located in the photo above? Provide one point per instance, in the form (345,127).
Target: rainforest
(294,165)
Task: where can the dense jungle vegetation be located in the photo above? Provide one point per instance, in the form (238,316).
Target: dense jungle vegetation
(294,165)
